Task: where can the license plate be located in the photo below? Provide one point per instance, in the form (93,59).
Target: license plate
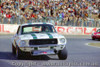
(44,47)
(40,52)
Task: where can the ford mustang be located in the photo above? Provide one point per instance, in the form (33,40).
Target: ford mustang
(38,39)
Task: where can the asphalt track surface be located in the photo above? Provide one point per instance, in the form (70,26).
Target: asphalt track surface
(79,54)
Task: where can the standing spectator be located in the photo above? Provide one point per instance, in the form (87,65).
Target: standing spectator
(8,17)
(51,12)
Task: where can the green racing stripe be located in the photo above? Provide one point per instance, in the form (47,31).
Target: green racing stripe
(50,36)
(34,36)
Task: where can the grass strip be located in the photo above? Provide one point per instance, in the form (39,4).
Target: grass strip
(94,44)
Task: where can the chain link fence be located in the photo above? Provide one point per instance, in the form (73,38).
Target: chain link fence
(58,22)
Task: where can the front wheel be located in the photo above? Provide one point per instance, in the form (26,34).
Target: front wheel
(62,54)
(13,49)
(93,38)
(19,53)
(98,39)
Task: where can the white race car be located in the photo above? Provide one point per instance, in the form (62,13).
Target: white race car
(38,39)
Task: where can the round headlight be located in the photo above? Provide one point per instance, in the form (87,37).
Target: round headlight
(62,40)
(23,42)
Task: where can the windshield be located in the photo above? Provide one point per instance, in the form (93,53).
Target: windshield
(38,28)
(98,30)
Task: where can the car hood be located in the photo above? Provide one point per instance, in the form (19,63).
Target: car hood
(40,36)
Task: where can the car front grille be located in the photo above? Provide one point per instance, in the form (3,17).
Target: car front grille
(43,41)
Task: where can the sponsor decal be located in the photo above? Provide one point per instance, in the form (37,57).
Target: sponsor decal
(10,28)
(75,30)
(27,29)
(88,31)
(70,30)
(60,29)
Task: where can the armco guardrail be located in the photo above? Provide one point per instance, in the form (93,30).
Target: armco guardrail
(11,28)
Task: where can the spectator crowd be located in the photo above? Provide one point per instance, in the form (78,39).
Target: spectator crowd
(70,12)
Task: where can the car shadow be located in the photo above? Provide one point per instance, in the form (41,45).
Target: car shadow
(10,56)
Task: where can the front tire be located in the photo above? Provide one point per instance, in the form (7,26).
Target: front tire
(13,49)
(19,53)
(98,39)
(93,38)
(62,54)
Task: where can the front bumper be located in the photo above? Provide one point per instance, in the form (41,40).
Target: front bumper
(96,36)
(42,47)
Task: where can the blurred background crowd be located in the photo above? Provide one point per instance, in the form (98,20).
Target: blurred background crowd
(58,12)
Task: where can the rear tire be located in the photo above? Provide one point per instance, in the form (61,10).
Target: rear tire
(13,49)
(62,54)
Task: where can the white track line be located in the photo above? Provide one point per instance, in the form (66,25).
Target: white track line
(87,44)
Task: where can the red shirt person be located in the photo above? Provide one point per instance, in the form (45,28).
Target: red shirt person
(8,16)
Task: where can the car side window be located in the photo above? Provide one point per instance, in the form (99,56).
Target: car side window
(18,30)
